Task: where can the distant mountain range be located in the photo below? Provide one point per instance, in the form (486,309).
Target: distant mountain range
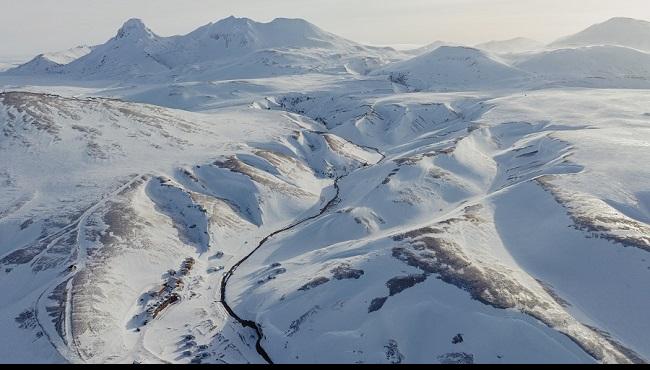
(219,49)
(242,48)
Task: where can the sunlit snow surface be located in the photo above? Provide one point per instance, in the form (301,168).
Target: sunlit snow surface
(494,211)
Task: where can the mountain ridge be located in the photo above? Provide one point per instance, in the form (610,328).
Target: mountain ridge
(621,31)
(137,51)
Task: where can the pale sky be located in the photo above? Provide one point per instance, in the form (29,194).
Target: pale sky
(29,27)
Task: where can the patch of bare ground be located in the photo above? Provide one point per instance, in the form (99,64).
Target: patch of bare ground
(283,163)
(417,158)
(392,352)
(294,327)
(314,283)
(599,219)
(456,358)
(57,311)
(122,223)
(57,253)
(343,147)
(256,175)
(434,251)
(38,110)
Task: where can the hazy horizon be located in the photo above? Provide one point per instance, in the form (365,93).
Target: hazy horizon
(32,27)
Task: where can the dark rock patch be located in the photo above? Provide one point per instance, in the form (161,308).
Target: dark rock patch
(377,304)
(26,319)
(399,284)
(456,358)
(26,224)
(314,283)
(393,355)
(294,327)
(344,271)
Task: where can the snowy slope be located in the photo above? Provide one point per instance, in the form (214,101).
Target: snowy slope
(269,192)
(453,68)
(132,52)
(399,228)
(599,66)
(6,65)
(67,56)
(441,204)
(516,45)
(178,181)
(633,33)
(50,62)
(430,47)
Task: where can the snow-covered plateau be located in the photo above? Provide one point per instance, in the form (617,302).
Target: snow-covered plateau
(273,193)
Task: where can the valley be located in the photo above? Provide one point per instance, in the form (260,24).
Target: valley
(273,193)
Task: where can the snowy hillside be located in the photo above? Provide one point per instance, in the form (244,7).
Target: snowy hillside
(272,193)
(6,65)
(51,62)
(132,52)
(599,66)
(429,47)
(627,32)
(516,45)
(450,67)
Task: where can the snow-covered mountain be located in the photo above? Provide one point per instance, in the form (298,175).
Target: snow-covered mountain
(628,32)
(236,36)
(430,47)
(601,66)
(132,52)
(449,67)
(7,65)
(231,48)
(511,46)
(272,193)
(51,62)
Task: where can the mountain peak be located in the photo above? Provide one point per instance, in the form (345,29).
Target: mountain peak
(244,34)
(456,50)
(296,21)
(621,23)
(134,27)
(628,32)
(233,21)
(458,66)
(624,20)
